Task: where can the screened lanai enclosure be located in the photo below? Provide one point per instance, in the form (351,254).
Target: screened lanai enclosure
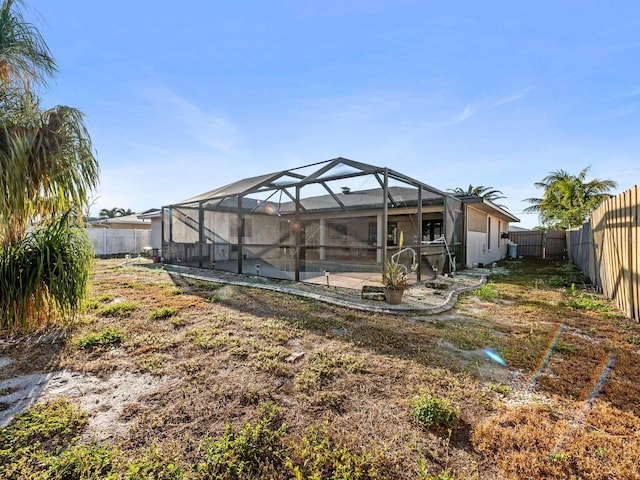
(333,216)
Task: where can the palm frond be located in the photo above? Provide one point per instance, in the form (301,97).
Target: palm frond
(24,55)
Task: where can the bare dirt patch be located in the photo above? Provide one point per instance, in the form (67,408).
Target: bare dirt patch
(104,399)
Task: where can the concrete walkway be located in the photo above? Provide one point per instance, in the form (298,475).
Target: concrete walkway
(344,290)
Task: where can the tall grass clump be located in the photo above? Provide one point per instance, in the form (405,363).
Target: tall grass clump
(44,277)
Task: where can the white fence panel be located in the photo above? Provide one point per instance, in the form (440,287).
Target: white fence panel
(107,241)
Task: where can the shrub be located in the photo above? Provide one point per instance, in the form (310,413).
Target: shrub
(430,411)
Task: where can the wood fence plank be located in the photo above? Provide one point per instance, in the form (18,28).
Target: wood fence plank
(635,253)
(625,231)
(607,246)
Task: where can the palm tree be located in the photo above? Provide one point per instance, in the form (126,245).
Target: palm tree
(47,170)
(488,193)
(46,173)
(24,55)
(568,200)
(108,212)
(115,212)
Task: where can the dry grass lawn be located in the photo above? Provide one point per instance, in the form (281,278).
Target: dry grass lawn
(235,382)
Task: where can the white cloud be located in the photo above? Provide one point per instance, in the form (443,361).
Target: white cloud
(208,128)
(481,106)
(511,98)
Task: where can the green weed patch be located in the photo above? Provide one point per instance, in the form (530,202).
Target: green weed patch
(120,309)
(163,312)
(429,411)
(108,336)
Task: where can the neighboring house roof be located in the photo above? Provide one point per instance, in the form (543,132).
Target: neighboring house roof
(149,214)
(129,221)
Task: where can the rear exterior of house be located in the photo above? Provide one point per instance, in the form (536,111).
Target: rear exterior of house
(338,215)
(486,230)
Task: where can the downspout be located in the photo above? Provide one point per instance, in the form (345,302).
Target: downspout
(465,232)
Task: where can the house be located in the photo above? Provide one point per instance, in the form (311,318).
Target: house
(335,215)
(127,222)
(154,215)
(486,230)
(127,234)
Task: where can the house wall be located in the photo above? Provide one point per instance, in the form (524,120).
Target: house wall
(484,242)
(155,239)
(353,237)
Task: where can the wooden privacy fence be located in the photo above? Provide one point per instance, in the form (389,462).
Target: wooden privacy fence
(540,244)
(606,250)
(112,241)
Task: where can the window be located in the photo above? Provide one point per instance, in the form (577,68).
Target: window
(373,233)
(476,221)
(431,229)
(337,231)
(392,234)
(488,233)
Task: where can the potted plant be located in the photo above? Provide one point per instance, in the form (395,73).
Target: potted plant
(394,279)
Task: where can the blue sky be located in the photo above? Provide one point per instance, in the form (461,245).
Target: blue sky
(183,97)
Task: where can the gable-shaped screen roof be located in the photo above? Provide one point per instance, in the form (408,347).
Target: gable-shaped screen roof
(319,186)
